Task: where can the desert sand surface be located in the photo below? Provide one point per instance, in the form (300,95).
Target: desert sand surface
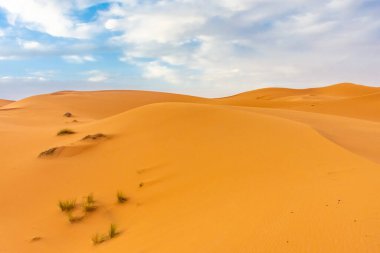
(272,170)
(345,99)
(4,102)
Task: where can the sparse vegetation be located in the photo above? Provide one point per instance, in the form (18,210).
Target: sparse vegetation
(73,218)
(113,231)
(89,203)
(68,114)
(94,136)
(36,238)
(141,184)
(48,152)
(97,239)
(121,198)
(65,132)
(67,205)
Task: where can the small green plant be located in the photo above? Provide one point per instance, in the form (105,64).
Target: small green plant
(121,198)
(97,239)
(65,131)
(112,231)
(89,203)
(67,205)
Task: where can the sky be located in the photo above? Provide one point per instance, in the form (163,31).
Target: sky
(208,48)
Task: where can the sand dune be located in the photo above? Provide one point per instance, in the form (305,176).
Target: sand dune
(201,175)
(4,102)
(93,104)
(344,99)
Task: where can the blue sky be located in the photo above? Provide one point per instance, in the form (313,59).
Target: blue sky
(208,48)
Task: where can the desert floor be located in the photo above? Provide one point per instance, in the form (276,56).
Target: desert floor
(268,171)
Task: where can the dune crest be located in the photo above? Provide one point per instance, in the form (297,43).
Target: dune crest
(345,99)
(4,102)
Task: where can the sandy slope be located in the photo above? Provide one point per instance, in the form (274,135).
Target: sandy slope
(85,106)
(4,102)
(340,99)
(216,178)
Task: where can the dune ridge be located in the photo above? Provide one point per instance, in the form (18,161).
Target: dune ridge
(4,102)
(261,171)
(345,99)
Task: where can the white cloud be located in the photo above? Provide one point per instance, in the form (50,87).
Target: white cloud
(214,47)
(48,16)
(235,44)
(2,33)
(8,57)
(7,79)
(78,58)
(156,28)
(155,70)
(96,76)
(31,45)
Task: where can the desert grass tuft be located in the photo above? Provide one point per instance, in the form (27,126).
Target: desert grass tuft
(113,231)
(68,114)
(121,198)
(97,239)
(100,238)
(73,218)
(65,131)
(89,203)
(94,136)
(67,205)
(48,152)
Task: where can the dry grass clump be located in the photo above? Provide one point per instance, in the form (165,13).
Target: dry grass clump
(113,231)
(74,218)
(67,205)
(65,131)
(94,136)
(48,152)
(89,203)
(97,239)
(121,198)
(100,238)
(68,114)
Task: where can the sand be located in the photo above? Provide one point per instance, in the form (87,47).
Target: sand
(236,174)
(4,102)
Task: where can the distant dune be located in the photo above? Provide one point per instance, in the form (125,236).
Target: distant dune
(4,102)
(272,170)
(338,99)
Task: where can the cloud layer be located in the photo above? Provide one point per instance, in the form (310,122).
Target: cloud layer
(211,48)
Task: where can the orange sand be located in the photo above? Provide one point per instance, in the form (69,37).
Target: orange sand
(4,102)
(263,171)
